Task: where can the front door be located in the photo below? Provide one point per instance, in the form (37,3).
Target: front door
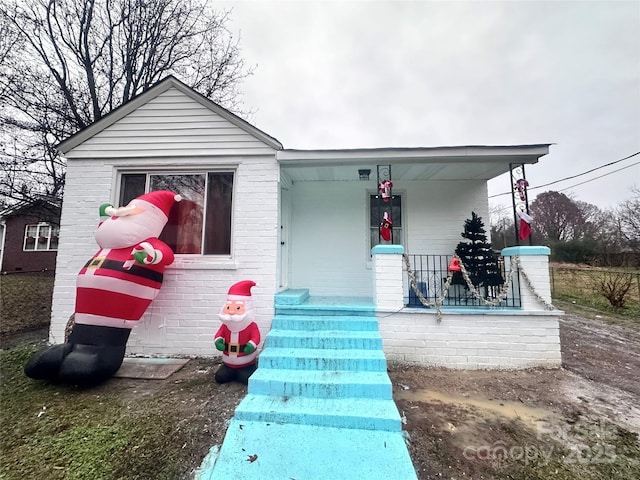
(285,237)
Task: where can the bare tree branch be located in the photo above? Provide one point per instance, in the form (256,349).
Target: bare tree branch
(65,64)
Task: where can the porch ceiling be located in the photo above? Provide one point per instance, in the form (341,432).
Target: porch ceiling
(439,163)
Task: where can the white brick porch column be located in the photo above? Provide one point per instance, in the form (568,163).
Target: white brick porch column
(534,263)
(387,277)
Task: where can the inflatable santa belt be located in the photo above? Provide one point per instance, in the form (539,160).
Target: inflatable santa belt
(234,347)
(102,262)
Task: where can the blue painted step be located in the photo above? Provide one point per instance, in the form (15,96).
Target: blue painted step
(323,359)
(259,450)
(320,384)
(311,323)
(333,339)
(361,413)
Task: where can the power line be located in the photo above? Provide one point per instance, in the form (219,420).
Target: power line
(596,178)
(580,174)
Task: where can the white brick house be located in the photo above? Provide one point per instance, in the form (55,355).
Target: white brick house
(297,220)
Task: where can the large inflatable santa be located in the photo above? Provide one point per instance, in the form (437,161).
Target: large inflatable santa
(113,291)
(238,336)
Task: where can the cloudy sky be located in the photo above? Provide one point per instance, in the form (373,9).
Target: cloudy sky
(358,74)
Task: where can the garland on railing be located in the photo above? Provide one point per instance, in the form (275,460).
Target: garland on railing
(547,305)
(502,294)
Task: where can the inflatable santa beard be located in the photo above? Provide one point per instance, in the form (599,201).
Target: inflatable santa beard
(238,336)
(113,291)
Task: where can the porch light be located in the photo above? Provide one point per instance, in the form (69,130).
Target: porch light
(364,173)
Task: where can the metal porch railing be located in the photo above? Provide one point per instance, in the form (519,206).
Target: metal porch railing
(431,275)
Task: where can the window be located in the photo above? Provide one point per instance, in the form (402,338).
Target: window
(377,209)
(40,237)
(201,222)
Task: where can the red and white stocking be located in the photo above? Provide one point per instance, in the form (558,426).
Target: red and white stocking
(385,227)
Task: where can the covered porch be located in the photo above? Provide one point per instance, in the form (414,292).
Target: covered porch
(330,213)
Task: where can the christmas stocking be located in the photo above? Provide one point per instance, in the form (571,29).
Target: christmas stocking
(525,226)
(385,227)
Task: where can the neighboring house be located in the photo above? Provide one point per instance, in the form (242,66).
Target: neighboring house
(29,236)
(287,219)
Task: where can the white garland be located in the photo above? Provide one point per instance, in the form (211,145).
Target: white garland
(502,295)
(547,305)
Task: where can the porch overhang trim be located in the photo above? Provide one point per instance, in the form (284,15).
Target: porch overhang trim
(509,154)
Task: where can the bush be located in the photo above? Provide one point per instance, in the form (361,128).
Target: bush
(614,286)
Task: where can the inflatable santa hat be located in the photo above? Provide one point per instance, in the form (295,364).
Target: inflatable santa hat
(163,199)
(241,290)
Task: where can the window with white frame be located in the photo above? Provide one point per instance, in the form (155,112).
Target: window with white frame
(201,222)
(40,237)
(377,210)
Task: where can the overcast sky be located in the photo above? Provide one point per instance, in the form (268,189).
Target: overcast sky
(362,74)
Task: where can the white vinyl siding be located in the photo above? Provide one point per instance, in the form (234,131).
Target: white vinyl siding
(171,124)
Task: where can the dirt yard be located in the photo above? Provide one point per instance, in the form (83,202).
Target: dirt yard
(534,423)
(531,424)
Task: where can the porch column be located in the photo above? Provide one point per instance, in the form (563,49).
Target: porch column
(535,283)
(387,276)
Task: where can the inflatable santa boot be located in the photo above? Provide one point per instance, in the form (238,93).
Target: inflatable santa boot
(113,291)
(238,336)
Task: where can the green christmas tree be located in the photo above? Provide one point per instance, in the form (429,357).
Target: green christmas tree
(477,256)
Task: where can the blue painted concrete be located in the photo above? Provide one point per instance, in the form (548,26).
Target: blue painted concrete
(311,323)
(323,339)
(361,413)
(320,403)
(329,359)
(387,250)
(320,383)
(525,251)
(270,451)
(292,296)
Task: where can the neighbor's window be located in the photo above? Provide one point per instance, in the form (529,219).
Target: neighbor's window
(40,237)
(377,209)
(201,222)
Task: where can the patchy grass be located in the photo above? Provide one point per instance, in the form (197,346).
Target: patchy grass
(124,429)
(25,301)
(580,286)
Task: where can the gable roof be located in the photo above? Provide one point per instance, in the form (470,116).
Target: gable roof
(148,95)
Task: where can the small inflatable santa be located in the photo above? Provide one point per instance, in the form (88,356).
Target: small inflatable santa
(113,290)
(238,336)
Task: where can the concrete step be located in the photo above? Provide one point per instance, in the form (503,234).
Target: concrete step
(320,384)
(325,306)
(360,413)
(259,450)
(310,323)
(323,359)
(332,339)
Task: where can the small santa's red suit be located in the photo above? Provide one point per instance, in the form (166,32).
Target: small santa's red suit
(113,290)
(235,344)
(238,336)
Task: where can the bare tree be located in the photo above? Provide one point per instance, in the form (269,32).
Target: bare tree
(628,221)
(66,63)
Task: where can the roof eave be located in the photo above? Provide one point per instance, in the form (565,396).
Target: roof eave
(527,154)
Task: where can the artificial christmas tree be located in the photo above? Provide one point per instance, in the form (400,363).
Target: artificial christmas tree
(478,257)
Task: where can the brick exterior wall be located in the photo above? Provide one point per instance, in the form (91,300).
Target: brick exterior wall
(15,259)
(475,338)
